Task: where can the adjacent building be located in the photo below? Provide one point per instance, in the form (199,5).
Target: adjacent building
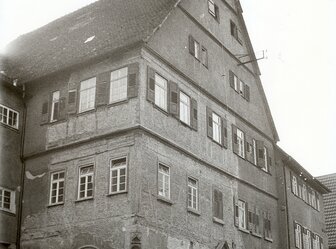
(148,127)
(329,200)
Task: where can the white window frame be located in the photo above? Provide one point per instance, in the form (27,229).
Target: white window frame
(192,199)
(4,119)
(89,93)
(86,182)
(254,144)
(242,222)
(55,100)
(236,83)
(197,49)
(185,108)
(164,181)
(216,128)
(118,83)
(295,184)
(304,192)
(11,202)
(241,143)
(265,168)
(58,182)
(118,169)
(211,8)
(161,92)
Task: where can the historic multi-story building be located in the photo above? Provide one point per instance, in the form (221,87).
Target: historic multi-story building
(329,200)
(147,127)
(301,210)
(11,130)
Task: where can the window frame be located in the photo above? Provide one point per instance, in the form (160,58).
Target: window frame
(196,195)
(118,168)
(57,181)
(8,109)
(164,196)
(188,121)
(204,56)
(294,185)
(242,211)
(156,86)
(86,182)
(111,101)
(241,143)
(219,127)
(12,200)
(53,103)
(266,166)
(298,235)
(80,103)
(212,12)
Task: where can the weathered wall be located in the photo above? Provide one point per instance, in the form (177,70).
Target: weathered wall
(10,163)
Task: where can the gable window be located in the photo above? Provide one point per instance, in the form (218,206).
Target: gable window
(294,185)
(57,188)
(55,106)
(9,117)
(192,193)
(118,175)
(184,108)
(118,87)
(242,214)
(216,126)
(161,92)
(298,236)
(85,186)
(7,200)
(87,94)
(218,204)
(164,181)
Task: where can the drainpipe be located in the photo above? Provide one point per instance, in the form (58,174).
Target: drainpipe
(286,200)
(19,215)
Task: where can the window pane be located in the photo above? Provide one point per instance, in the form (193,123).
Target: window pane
(160,92)
(118,89)
(184,108)
(87,94)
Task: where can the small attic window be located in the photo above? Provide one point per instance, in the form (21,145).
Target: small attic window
(90,39)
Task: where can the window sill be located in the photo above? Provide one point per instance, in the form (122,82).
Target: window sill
(165,112)
(55,204)
(218,221)
(9,212)
(193,211)
(244,230)
(10,127)
(269,240)
(85,112)
(164,200)
(84,199)
(117,193)
(256,235)
(119,102)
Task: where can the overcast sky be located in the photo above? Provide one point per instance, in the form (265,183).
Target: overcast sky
(298,76)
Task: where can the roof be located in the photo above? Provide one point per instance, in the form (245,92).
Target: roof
(297,168)
(329,201)
(97,29)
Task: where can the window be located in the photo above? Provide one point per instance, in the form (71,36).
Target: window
(87,95)
(256,222)
(85,186)
(218,204)
(9,117)
(317,202)
(242,214)
(184,108)
(294,185)
(118,87)
(216,126)
(265,166)
(164,181)
(298,236)
(161,92)
(308,240)
(254,143)
(204,56)
(267,225)
(239,86)
(194,47)
(7,200)
(235,32)
(118,175)
(57,188)
(211,6)
(192,193)
(55,106)
(197,49)
(313,199)
(241,142)
(236,83)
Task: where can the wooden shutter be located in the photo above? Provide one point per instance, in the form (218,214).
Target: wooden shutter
(150,85)
(220,205)
(235,145)
(191,45)
(265,223)
(72,100)
(250,218)
(193,114)
(231,79)
(260,154)
(270,163)
(217,13)
(133,80)
(216,203)
(45,112)
(249,155)
(291,181)
(224,133)
(256,221)
(321,243)
(235,210)
(62,108)
(247,92)
(209,122)
(103,80)
(174,99)
(269,225)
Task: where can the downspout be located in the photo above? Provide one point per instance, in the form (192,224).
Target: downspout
(286,200)
(19,220)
